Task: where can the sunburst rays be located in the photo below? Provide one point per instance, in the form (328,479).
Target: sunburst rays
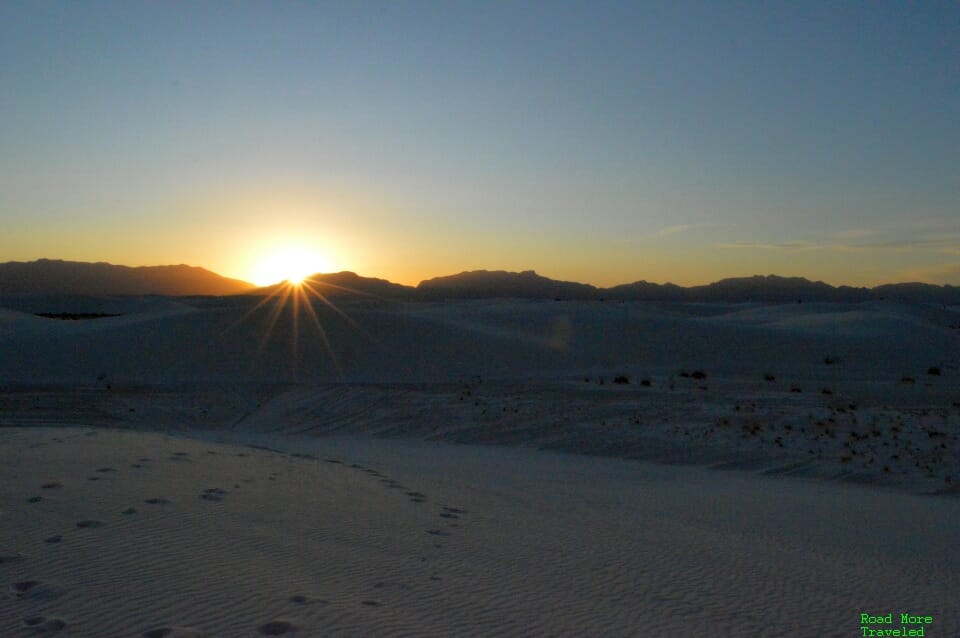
(295,302)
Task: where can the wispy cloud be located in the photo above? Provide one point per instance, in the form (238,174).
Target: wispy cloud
(784,245)
(890,239)
(681,228)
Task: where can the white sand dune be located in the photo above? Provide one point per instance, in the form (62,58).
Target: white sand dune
(544,519)
(427,540)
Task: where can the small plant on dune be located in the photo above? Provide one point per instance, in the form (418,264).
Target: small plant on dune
(769,377)
(907,380)
(831,361)
(933,371)
(827,391)
(621,379)
(698,374)
(796,388)
(645,383)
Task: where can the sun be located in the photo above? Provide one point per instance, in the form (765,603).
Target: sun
(292,264)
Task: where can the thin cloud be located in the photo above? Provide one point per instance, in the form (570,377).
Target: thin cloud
(681,228)
(945,244)
(784,245)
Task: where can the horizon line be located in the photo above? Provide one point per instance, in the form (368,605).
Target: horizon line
(532,271)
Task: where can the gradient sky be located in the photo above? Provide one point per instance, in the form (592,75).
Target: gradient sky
(598,142)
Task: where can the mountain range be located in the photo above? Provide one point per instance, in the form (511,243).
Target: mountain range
(56,277)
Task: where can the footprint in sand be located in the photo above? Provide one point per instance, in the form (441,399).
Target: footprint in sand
(438,532)
(370,603)
(93,478)
(24,587)
(34,499)
(213,494)
(56,538)
(157,501)
(300,599)
(89,524)
(36,590)
(106,470)
(51,486)
(173,632)
(276,628)
(42,624)
(129,510)
(454,510)
(10,559)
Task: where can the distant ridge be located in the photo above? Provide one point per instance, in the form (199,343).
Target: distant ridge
(760,288)
(347,283)
(55,277)
(499,283)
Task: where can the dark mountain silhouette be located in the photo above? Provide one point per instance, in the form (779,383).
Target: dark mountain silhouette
(915,291)
(498,283)
(52,277)
(347,283)
(646,291)
(759,288)
(774,288)
(56,277)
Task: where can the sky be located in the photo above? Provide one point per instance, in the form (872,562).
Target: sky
(591,141)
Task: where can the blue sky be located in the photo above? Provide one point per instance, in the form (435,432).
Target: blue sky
(601,142)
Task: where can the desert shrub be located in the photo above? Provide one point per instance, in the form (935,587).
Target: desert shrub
(621,379)
(769,377)
(934,371)
(645,383)
(831,361)
(698,374)
(907,380)
(827,391)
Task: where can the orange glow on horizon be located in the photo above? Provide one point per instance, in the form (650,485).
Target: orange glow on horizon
(291,264)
